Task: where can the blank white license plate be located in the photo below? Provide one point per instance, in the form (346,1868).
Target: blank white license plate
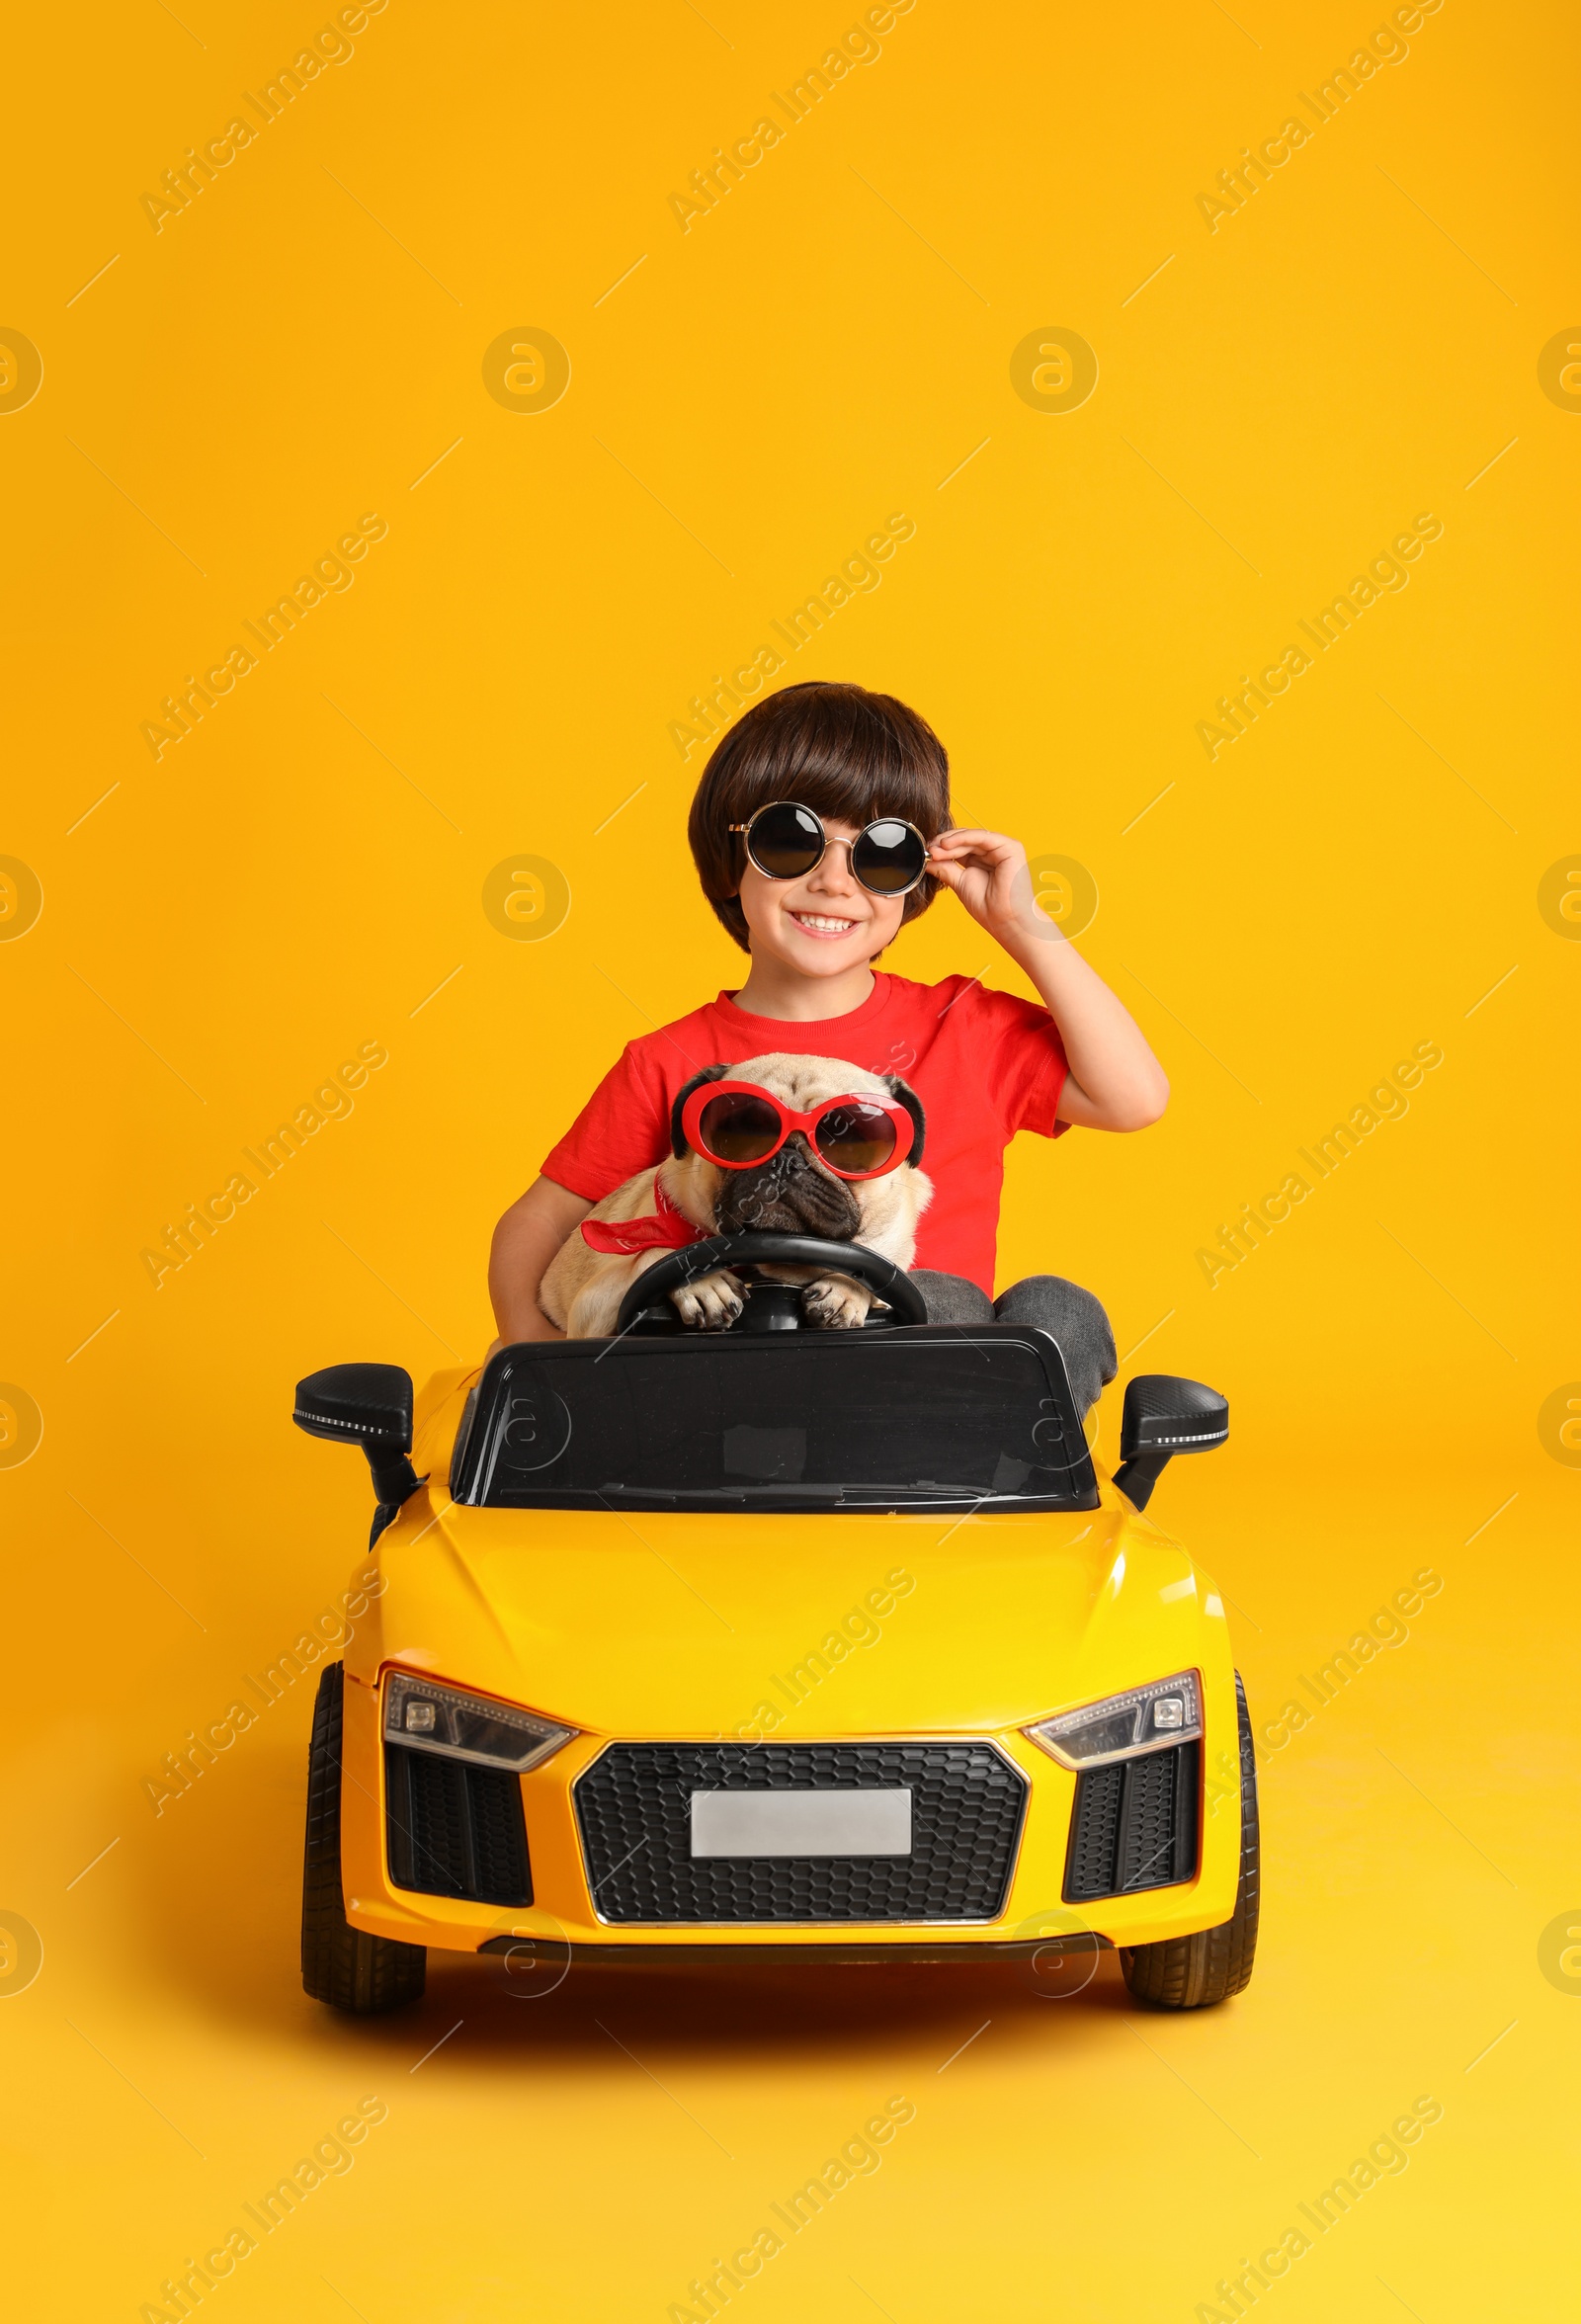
(801,1823)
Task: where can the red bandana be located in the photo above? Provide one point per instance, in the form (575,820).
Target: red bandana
(668,1230)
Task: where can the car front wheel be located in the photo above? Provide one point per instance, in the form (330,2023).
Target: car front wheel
(343,1966)
(1193,1972)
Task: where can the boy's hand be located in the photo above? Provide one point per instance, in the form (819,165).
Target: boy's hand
(1114,1081)
(989,874)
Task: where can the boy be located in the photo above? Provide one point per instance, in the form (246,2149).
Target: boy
(820,826)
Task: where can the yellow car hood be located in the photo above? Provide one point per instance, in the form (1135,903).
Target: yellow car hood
(681,1624)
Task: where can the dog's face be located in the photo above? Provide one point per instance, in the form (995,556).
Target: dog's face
(793,1191)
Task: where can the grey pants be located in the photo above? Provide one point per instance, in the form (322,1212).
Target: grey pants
(1071,1316)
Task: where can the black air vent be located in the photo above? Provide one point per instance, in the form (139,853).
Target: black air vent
(455,1829)
(1135,1825)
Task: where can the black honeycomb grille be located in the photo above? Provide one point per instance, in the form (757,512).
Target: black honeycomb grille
(455,1829)
(633,1805)
(1135,1825)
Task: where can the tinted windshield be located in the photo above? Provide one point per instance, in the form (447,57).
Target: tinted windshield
(926,1418)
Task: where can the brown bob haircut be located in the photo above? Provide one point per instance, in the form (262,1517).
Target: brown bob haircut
(845,753)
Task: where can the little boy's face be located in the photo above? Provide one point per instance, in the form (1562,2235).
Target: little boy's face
(824,924)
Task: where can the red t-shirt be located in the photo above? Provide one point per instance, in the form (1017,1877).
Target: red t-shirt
(984,1064)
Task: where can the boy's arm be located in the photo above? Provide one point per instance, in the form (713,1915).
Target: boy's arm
(1114,1080)
(525,1241)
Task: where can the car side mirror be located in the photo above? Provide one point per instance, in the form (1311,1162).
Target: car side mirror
(1164,1416)
(366,1404)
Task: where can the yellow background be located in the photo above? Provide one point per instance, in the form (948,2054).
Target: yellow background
(304,870)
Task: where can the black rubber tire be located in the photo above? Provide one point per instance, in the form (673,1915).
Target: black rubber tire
(343,1966)
(1194,1972)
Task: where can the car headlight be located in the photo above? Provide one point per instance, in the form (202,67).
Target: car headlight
(1123,1726)
(426,1717)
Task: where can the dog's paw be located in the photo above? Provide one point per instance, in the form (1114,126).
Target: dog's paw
(834,1303)
(712,1303)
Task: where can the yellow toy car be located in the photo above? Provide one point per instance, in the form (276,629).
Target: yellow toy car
(775,1638)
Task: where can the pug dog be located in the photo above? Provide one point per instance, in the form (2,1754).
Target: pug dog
(687,1199)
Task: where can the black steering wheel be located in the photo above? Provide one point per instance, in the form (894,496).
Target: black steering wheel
(879,1274)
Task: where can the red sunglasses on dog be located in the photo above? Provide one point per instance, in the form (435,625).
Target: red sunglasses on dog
(737,1126)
